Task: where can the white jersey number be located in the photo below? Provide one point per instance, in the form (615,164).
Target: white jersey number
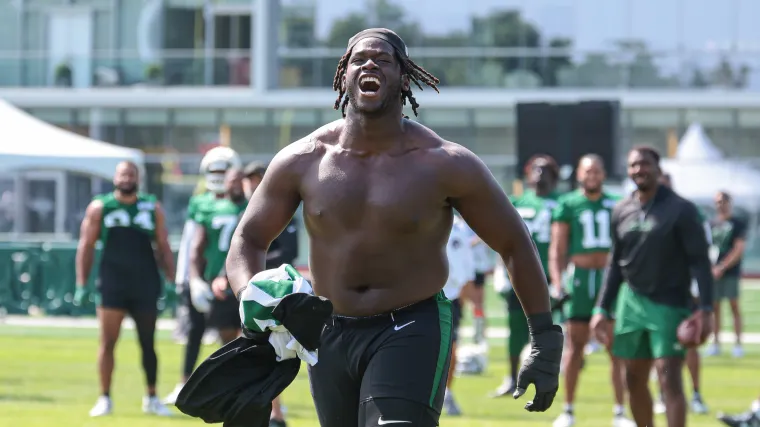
(596,229)
(227,224)
(541,226)
(120,218)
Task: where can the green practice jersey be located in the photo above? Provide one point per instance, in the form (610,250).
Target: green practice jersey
(589,221)
(219,219)
(536,212)
(199,203)
(140,216)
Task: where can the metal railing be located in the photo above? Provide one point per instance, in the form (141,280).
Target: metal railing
(505,67)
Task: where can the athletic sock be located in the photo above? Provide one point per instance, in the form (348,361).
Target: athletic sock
(696,395)
(756,407)
(568,408)
(107,394)
(618,410)
(151,394)
(480,326)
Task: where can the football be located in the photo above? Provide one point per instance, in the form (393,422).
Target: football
(688,333)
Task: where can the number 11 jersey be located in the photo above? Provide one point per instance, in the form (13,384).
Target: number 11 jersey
(589,221)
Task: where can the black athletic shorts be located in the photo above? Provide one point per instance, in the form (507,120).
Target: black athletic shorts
(480,279)
(386,369)
(456,318)
(224,314)
(124,290)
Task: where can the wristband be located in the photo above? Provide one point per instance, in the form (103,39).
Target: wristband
(240,292)
(600,310)
(541,322)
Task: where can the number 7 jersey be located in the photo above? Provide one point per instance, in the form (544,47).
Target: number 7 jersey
(589,221)
(219,220)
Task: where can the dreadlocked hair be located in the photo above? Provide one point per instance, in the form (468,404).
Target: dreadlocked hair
(414,72)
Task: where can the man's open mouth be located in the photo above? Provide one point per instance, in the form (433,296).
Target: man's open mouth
(369,85)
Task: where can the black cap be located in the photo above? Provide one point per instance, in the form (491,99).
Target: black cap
(254,168)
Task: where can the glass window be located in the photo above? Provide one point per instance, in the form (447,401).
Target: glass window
(290,125)
(146,129)
(451,124)
(195,131)
(58,116)
(748,141)
(101,123)
(249,130)
(654,128)
(494,132)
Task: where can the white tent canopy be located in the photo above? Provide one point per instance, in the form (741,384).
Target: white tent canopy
(29,143)
(699,171)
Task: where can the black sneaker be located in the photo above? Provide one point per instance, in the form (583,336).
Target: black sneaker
(747,419)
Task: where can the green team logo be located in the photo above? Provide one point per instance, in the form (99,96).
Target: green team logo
(642,225)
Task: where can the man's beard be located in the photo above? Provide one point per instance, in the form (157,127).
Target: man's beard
(237,197)
(592,190)
(127,189)
(379,110)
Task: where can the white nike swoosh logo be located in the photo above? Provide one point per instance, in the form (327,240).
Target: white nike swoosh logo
(399,328)
(382,422)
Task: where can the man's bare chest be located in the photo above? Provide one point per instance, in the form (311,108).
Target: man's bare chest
(384,196)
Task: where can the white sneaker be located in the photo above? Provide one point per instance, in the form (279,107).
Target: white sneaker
(564,420)
(698,407)
(592,347)
(712,350)
(171,399)
(738,351)
(622,421)
(102,407)
(659,406)
(151,405)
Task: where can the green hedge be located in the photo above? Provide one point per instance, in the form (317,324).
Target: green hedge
(43,275)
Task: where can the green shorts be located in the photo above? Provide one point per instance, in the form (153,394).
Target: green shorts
(727,287)
(583,286)
(645,329)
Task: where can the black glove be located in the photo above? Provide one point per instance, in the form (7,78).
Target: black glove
(541,368)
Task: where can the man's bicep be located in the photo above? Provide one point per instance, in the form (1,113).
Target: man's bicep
(271,207)
(560,232)
(486,208)
(162,233)
(90,228)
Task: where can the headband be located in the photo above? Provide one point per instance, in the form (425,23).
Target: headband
(383,34)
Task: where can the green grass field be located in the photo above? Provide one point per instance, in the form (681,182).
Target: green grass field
(48,377)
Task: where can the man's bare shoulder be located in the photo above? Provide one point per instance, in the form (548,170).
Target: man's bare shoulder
(436,147)
(301,154)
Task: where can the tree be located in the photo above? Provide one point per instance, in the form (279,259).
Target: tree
(727,76)
(507,28)
(630,65)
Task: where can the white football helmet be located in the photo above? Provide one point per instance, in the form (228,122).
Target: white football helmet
(215,165)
